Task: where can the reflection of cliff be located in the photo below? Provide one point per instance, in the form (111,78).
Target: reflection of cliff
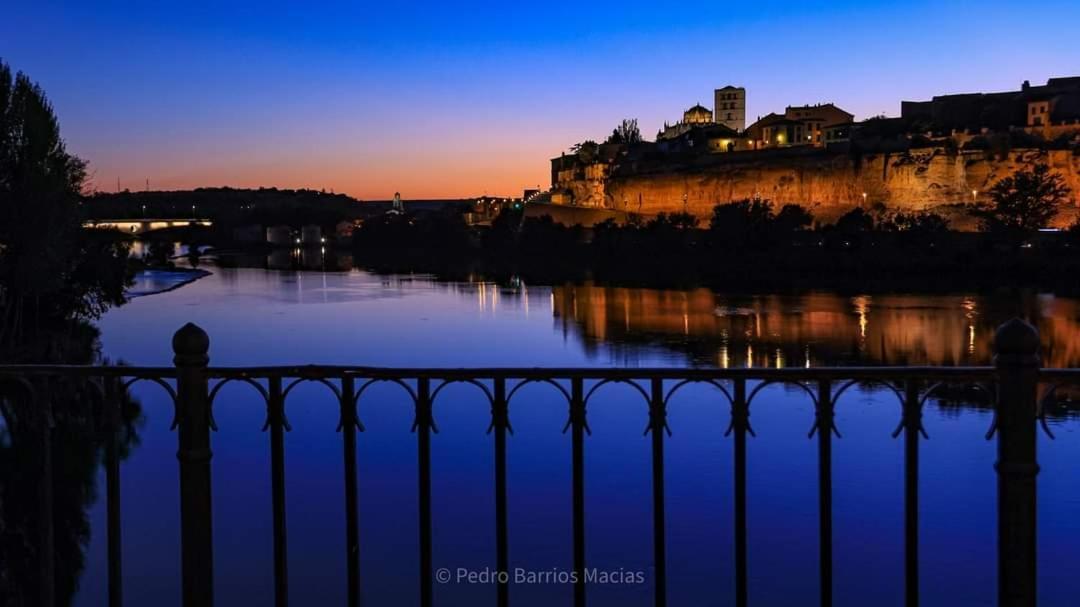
(828,183)
(819,329)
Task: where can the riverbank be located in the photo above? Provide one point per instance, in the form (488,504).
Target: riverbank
(155,281)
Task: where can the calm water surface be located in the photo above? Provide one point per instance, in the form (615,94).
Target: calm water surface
(259,317)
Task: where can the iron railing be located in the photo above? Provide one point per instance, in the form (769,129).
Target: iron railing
(1012,384)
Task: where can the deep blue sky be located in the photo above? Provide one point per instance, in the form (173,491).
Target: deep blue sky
(454,98)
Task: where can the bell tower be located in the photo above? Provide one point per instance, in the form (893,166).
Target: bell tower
(729,108)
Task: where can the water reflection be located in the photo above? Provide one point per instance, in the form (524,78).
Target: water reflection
(812,329)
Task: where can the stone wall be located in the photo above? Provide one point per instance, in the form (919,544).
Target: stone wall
(829,184)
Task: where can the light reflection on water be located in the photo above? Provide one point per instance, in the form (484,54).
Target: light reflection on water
(289,316)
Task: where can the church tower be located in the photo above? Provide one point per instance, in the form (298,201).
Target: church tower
(729,108)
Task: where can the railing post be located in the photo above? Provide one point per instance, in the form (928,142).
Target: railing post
(740,424)
(276,421)
(577,427)
(423,445)
(112,501)
(349,425)
(825,534)
(912,428)
(500,423)
(46,514)
(190,345)
(1016,357)
(657,426)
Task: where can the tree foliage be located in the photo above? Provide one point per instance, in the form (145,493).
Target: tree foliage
(627,132)
(51,269)
(1025,201)
(754,224)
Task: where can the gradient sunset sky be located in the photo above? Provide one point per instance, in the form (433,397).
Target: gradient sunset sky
(448,99)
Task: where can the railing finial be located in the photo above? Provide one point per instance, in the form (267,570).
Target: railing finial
(191,345)
(1017,343)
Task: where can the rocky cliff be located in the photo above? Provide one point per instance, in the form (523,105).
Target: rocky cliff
(828,183)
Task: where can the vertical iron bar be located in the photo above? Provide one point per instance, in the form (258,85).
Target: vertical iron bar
(657,426)
(1016,356)
(277,488)
(912,427)
(740,413)
(499,423)
(824,432)
(112,501)
(423,442)
(352,526)
(46,520)
(191,345)
(577,423)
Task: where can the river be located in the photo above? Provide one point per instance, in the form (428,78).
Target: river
(264,316)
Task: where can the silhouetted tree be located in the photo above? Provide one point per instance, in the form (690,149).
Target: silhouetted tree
(855,220)
(740,224)
(43,245)
(1024,201)
(627,132)
(792,217)
(587,151)
(926,222)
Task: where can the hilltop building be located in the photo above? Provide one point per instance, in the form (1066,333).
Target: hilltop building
(730,108)
(798,125)
(695,117)
(938,153)
(1048,110)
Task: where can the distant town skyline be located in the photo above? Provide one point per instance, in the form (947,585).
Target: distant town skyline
(440,101)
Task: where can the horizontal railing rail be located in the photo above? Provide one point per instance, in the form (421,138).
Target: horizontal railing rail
(1011,385)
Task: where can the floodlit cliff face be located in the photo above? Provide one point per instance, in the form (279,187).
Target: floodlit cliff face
(829,184)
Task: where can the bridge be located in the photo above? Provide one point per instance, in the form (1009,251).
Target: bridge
(1012,384)
(141,226)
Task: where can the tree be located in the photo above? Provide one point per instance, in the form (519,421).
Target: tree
(926,222)
(855,220)
(741,224)
(1024,201)
(791,218)
(586,151)
(627,132)
(51,269)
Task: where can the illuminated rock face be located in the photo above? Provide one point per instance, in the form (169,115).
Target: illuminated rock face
(828,184)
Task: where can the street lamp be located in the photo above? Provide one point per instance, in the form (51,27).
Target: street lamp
(974,195)
(864,198)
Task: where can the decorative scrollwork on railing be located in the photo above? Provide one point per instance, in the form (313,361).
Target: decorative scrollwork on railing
(835,398)
(320,380)
(868,382)
(1050,397)
(363,388)
(823,417)
(258,388)
(521,384)
(785,382)
(617,380)
(657,419)
(719,386)
(980,386)
(172,397)
(534,380)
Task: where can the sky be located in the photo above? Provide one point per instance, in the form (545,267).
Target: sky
(465,98)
